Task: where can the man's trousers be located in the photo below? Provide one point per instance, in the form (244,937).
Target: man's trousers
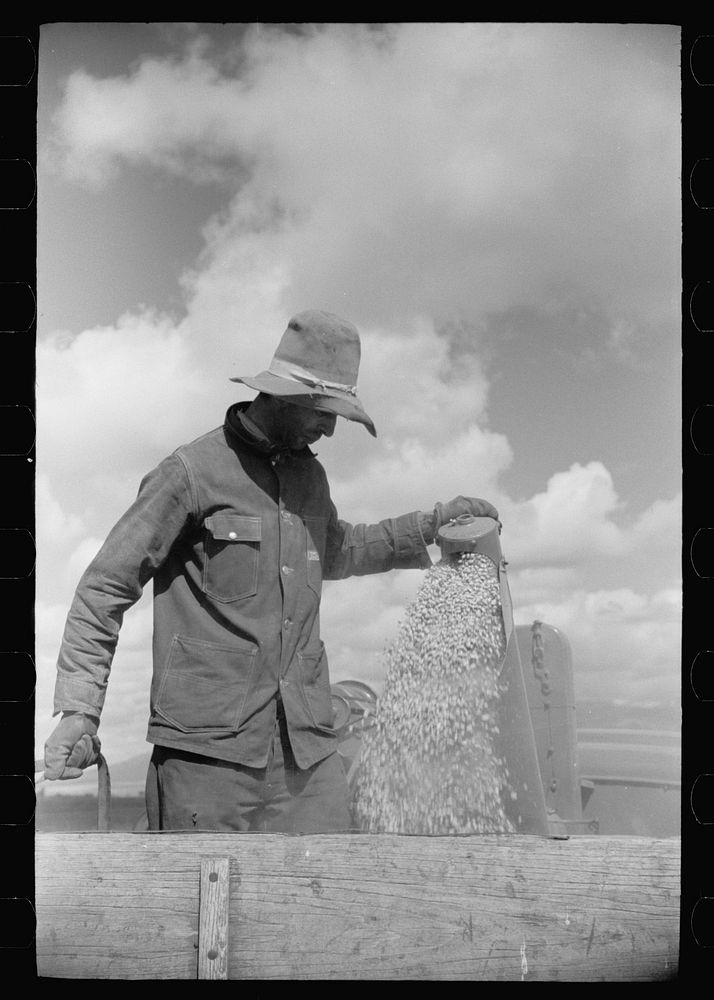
(186,791)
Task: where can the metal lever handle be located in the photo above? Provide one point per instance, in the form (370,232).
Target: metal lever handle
(104,791)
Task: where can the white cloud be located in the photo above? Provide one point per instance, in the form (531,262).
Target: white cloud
(570,521)
(510,159)
(622,641)
(79,559)
(112,402)
(164,113)
(52,522)
(579,520)
(660,523)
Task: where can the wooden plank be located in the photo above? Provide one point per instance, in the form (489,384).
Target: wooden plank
(115,906)
(508,908)
(213,919)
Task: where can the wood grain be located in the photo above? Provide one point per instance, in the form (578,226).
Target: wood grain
(213,919)
(508,908)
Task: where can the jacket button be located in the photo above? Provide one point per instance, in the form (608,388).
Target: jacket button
(288,622)
(285,514)
(232,534)
(287,569)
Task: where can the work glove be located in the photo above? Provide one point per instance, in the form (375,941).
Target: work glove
(445,512)
(73,745)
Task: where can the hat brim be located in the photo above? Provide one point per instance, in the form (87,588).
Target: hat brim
(343,404)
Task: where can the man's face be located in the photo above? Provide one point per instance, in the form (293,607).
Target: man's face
(303,425)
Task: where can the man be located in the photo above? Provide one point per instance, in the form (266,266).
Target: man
(237,531)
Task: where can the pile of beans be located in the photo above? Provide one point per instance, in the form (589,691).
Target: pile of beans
(429,765)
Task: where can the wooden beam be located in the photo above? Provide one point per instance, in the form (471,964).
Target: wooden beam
(213,919)
(344,907)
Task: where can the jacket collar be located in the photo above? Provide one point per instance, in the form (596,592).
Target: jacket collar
(249,434)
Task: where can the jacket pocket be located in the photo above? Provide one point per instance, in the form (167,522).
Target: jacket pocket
(315,537)
(315,687)
(232,553)
(204,686)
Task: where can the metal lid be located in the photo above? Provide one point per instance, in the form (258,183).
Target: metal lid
(342,710)
(471,534)
(356,691)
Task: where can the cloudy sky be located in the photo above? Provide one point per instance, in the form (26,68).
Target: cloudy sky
(496,207)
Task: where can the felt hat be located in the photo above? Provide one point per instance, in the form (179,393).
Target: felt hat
(317,359)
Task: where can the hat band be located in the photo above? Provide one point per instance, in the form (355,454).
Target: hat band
(295,373)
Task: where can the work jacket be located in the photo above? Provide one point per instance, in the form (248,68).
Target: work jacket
(237,538)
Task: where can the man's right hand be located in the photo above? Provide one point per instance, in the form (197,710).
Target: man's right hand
(73,745)
(444,512)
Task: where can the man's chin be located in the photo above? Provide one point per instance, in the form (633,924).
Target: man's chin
(297,444)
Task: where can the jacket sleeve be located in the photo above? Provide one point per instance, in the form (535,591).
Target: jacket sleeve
(114,581)
(395,543)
